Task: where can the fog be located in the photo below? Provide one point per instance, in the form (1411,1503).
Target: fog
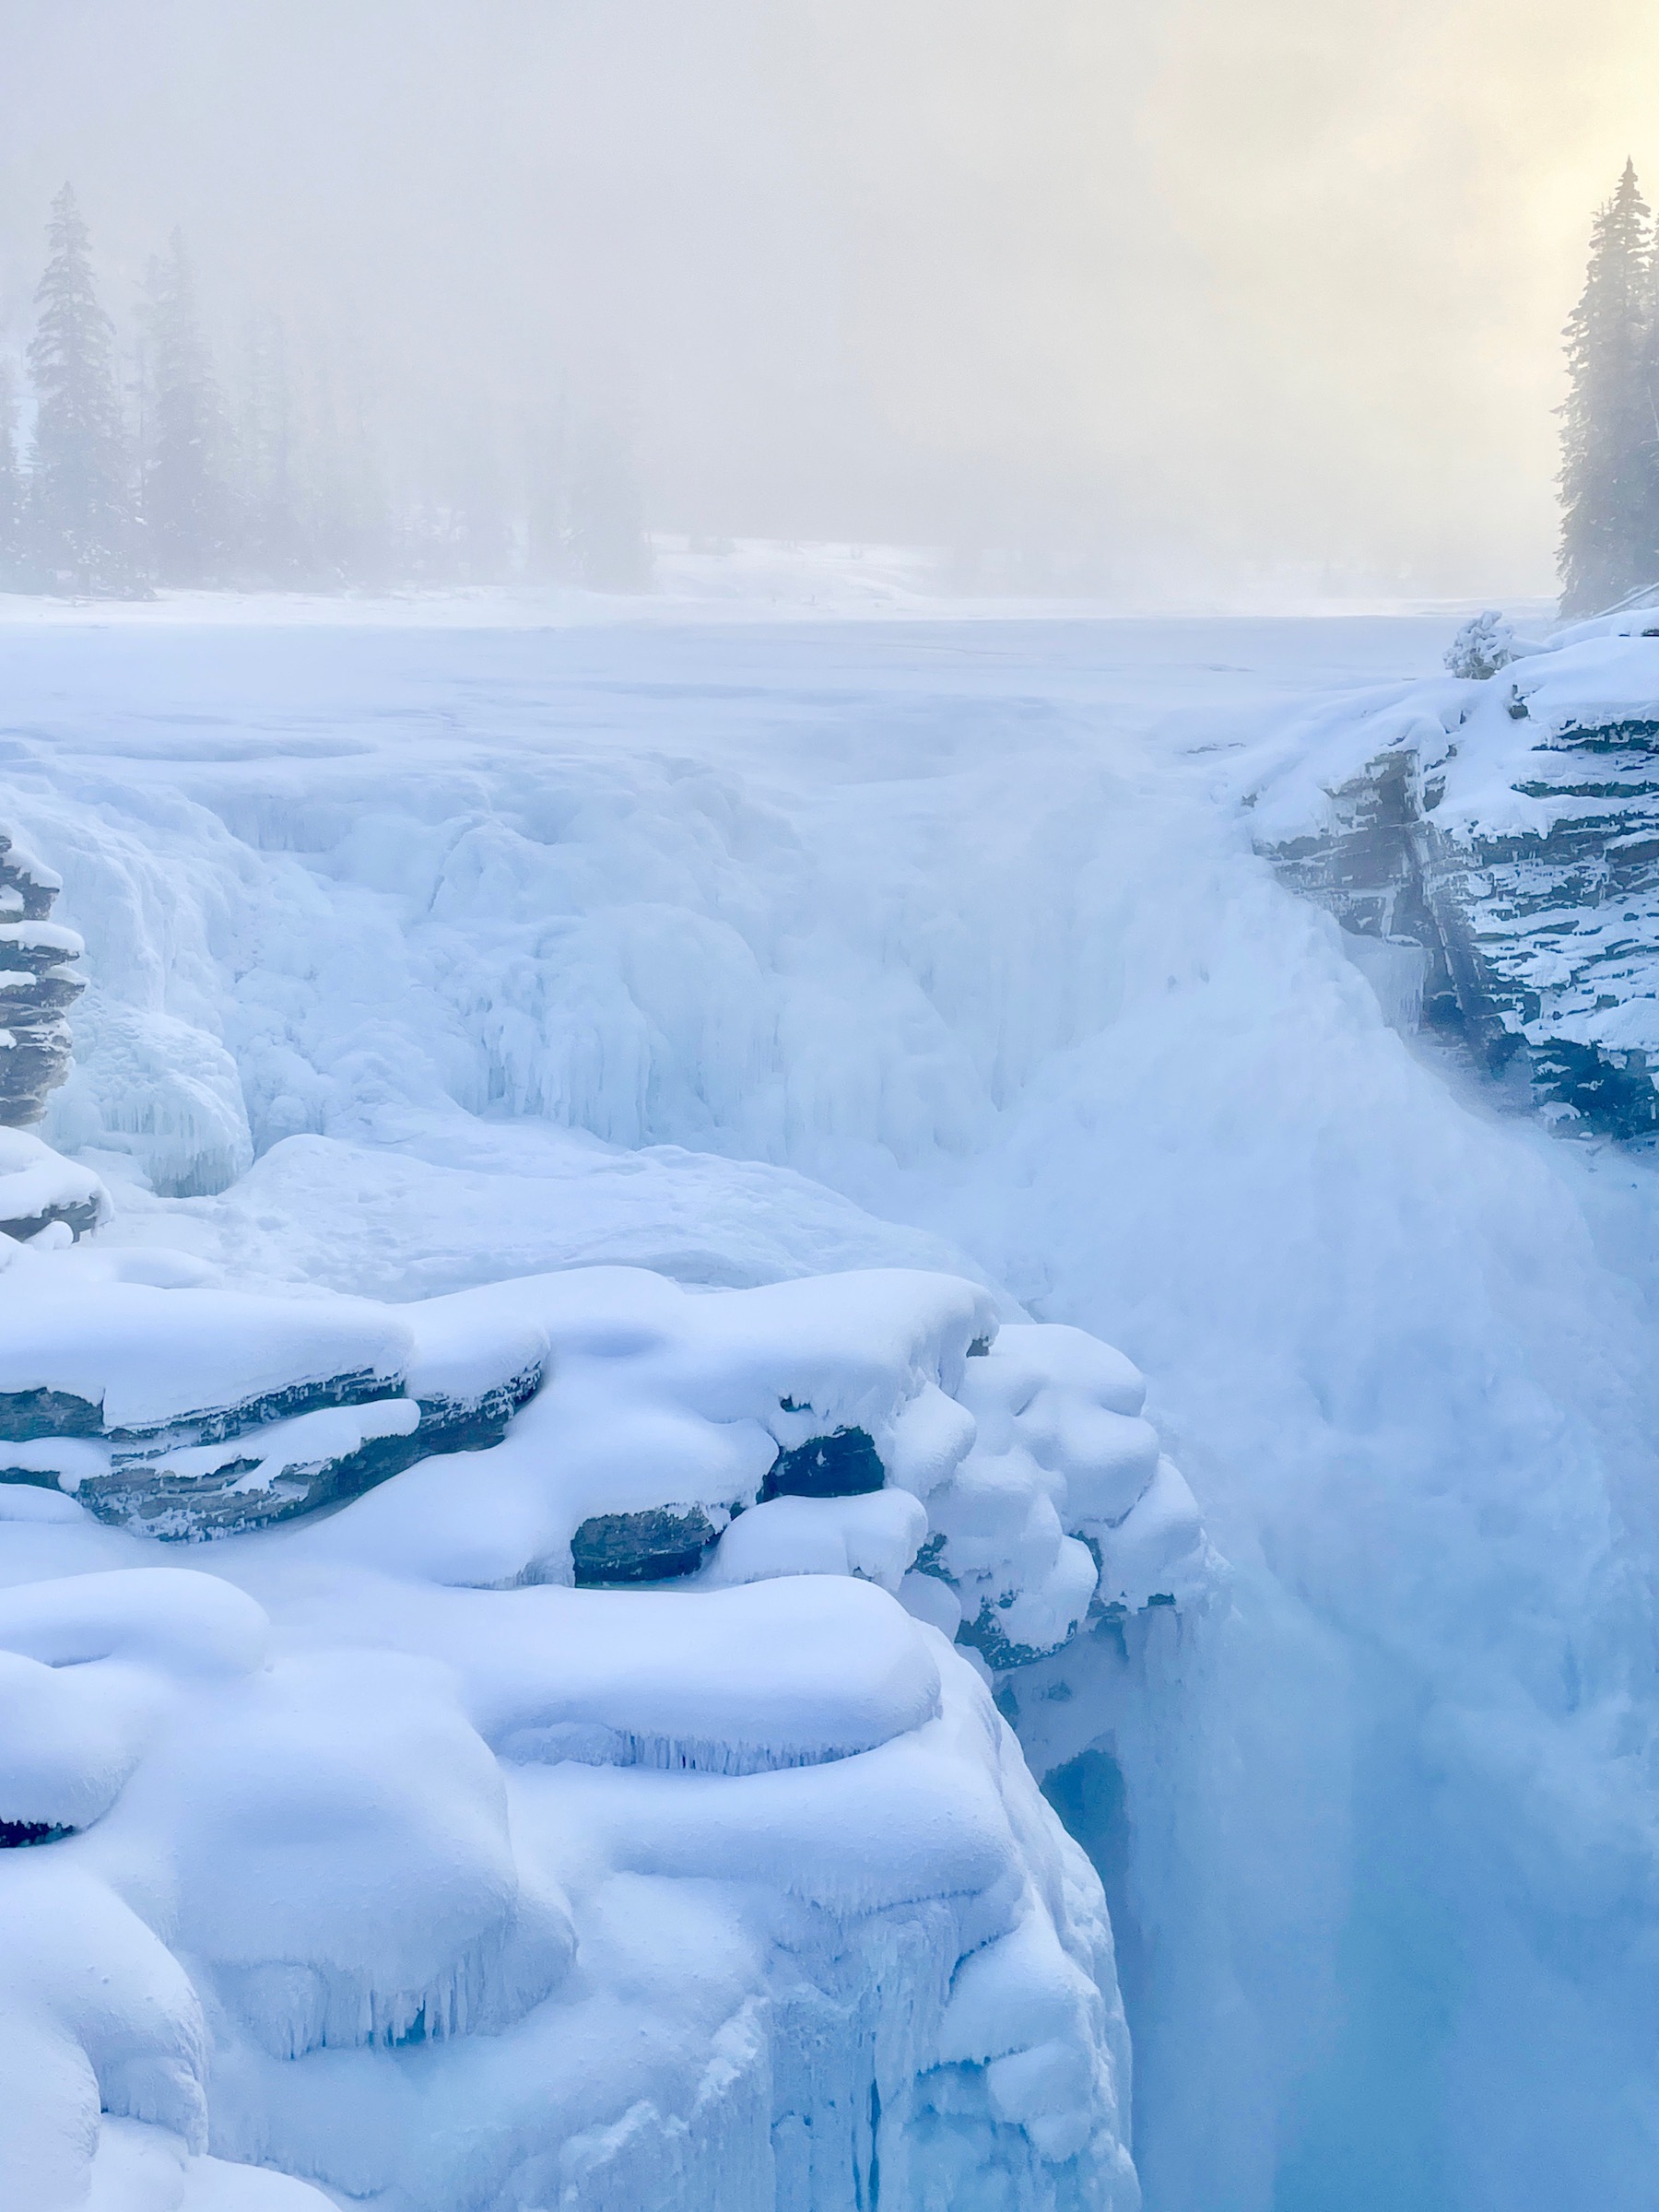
(1182,295)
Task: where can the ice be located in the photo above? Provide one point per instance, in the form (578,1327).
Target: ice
(737,953)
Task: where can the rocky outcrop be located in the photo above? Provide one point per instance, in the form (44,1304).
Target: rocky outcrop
(844,1463)
(1507,831)
(660,1545)
(41,1190)
(190,1413)
(38,984)
(38,1190)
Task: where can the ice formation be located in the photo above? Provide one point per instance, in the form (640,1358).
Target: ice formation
(459,1884)
(727,957)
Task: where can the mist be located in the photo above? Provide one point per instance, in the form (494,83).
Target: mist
(1180,298)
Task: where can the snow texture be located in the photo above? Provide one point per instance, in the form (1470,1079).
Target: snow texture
(1505,828)
(734,953)
(740,1877)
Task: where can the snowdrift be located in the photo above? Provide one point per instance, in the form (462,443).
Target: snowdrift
(502,1749)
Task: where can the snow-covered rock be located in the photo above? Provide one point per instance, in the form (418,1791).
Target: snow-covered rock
(189,1411)
(38,983)
(443,1880)
(40,1189)
(1501,832)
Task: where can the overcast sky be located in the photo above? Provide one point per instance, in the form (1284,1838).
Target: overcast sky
(1212,288)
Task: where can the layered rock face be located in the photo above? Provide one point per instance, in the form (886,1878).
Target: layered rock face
(38,984)
(1503,835)
(38,1190)
(188,1412)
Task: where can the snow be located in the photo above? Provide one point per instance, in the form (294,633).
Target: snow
(150,1360)
(602,977)
(309,1764)
(36,1182)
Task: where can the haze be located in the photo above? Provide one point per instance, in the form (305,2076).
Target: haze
(1194,298)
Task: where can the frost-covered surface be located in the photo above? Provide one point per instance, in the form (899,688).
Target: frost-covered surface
(960,922)
(405,1867)
(1511,823)
(40,1189)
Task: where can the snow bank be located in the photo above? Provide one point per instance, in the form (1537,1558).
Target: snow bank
(38,1187)
(191,1411)
(460,1884)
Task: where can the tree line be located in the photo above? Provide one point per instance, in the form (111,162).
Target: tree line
(1609,477)
(124,468)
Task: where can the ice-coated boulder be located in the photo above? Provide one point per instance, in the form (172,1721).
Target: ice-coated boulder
(1491,845)
(40,1189)
(192,1411)
(38,984)
(717,1877)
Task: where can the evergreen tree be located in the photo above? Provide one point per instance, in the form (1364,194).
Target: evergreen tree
(267,454)
(1610,422)
(13,561)
(545,443)
(608,549)
(81,518)
(187,509)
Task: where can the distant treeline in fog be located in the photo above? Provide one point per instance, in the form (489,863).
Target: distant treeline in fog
(128,466)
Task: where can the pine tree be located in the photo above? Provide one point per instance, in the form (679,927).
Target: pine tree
(12,562)
(267,458)
(81,519)
(608,549)
(187,507)
(1610,422)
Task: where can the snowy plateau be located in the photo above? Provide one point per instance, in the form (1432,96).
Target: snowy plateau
(768,1441)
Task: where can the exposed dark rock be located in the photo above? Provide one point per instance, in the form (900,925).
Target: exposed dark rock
(1540,922)
(28,1416)
(16,1834)
(223,1424)
(77,1218)
(140,1494)
(152,1501)
(39,1188)
(656,1546)
(218,1471)
(843,1465)
(998,1650)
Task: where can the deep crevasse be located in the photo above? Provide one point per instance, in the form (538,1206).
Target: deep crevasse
(951,921)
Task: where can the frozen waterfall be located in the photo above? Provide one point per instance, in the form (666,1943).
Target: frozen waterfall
(426,955)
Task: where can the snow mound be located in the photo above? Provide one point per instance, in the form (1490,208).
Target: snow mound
(38,1187)
(192,1411)
(428,1878)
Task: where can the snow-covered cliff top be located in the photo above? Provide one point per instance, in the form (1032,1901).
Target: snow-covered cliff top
(1509,825)
(553,1778)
